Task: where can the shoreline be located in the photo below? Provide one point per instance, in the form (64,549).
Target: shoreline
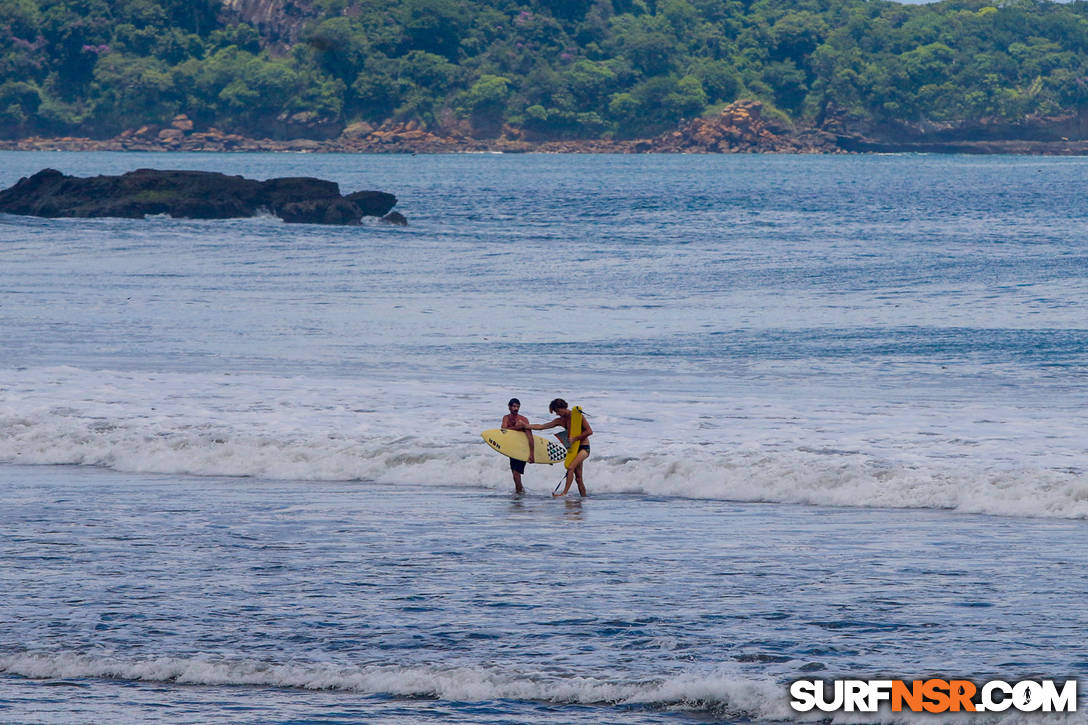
(239,144)
(741,127)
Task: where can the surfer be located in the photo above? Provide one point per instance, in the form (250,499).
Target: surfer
(513,421)
(559,407)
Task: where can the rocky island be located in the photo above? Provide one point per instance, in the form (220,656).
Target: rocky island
(194,195)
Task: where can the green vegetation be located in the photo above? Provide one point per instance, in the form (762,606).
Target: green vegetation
(557,69)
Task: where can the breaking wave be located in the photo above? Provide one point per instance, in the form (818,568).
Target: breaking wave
(287,430)
(719,694)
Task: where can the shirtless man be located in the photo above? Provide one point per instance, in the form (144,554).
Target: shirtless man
(559,407)
(513,421)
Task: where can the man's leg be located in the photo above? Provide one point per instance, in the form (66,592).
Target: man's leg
(580,459)
(516,469)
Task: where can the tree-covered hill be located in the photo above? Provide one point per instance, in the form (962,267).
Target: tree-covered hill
(558,69)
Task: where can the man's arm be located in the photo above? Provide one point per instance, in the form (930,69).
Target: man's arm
(545,426)
(523,425)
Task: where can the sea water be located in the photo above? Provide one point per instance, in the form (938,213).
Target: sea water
(839,431)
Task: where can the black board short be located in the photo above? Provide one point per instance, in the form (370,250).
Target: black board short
(517,466)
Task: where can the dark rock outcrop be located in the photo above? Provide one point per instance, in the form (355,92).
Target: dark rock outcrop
(190,194)
(320,211)
(373,203)
(396,219)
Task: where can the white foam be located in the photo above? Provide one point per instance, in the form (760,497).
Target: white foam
(724,694)
(461,683)
(412,431)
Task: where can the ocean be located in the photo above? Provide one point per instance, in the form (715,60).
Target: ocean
(839,432)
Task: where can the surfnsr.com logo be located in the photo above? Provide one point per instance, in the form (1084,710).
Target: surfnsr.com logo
(934,695)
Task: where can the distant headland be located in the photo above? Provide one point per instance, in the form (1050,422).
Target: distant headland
(618,76)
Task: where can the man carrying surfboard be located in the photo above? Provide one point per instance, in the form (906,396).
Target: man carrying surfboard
(578,432)
(513,421)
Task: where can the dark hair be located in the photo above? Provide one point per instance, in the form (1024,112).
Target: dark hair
(512,401)
(556,405)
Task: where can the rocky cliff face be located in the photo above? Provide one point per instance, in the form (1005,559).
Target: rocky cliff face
(280,22)
(739,128)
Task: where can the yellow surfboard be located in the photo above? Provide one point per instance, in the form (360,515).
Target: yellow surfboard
(515,444)
(575,430)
